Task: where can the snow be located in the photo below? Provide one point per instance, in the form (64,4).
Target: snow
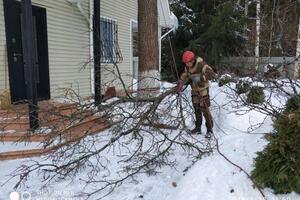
(226,76)
(258,84)
(246,79)
(268,66)
(174,21)
(210,178)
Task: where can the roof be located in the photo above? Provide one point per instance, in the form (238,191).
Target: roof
(167,18)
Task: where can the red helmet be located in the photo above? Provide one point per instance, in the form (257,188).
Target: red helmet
(188,56)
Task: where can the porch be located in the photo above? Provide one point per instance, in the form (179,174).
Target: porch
(61,123)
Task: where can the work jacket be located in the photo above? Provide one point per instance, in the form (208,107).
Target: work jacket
(199,75)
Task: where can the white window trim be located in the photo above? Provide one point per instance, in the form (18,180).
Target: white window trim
(131,47)
(131,52)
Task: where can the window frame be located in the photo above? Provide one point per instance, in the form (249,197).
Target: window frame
(114,39)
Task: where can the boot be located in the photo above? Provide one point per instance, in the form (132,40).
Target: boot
(196,130)
(209,133)
(198,123)
(209,123)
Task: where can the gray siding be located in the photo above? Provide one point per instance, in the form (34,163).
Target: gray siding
(121,11)
(68,46)
(2,48)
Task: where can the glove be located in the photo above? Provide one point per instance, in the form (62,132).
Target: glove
(179,86)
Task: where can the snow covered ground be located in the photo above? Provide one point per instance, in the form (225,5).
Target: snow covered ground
(211,178)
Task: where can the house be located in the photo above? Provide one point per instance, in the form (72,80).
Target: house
(64,41)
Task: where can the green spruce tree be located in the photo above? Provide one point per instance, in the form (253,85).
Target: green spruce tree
(278,165)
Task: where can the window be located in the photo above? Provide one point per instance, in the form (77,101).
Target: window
(134,47)
(134,32)
(110,51)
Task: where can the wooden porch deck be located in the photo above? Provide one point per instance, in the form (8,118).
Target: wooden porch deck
(66,122)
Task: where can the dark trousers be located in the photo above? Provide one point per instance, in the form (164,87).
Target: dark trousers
(201,106)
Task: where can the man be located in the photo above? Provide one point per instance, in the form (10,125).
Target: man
(198,72)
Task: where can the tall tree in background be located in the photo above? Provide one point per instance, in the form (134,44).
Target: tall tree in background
(224,36)
(210,28)
(297,63)
(257,34)
(246,10)
(148,45)
(179,41)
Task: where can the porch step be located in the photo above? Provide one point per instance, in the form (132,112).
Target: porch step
(21,154)
(60,124)
(18,122)
(20,114)
(74,133)
(22,109)
(65,129)
(17,126)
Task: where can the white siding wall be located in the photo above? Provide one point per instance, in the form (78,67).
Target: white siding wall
(68,43)
(121,11)
(2,47)
(68,46)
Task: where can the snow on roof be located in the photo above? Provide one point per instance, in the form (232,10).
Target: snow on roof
(166,17)
(174,20)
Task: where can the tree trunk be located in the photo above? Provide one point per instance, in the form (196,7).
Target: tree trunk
(297,63)
(149,75)
(246,9)
(271,29)
(257,34)
(246,32)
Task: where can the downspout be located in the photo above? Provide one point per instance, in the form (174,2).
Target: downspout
(89,20)
(78,5)
(167,33)
(90,23)
(174,21)
(82,12)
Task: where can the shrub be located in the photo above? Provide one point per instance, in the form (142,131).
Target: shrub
(293,104)
(256,95)
(225,79)
(278,165)
(242,87)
